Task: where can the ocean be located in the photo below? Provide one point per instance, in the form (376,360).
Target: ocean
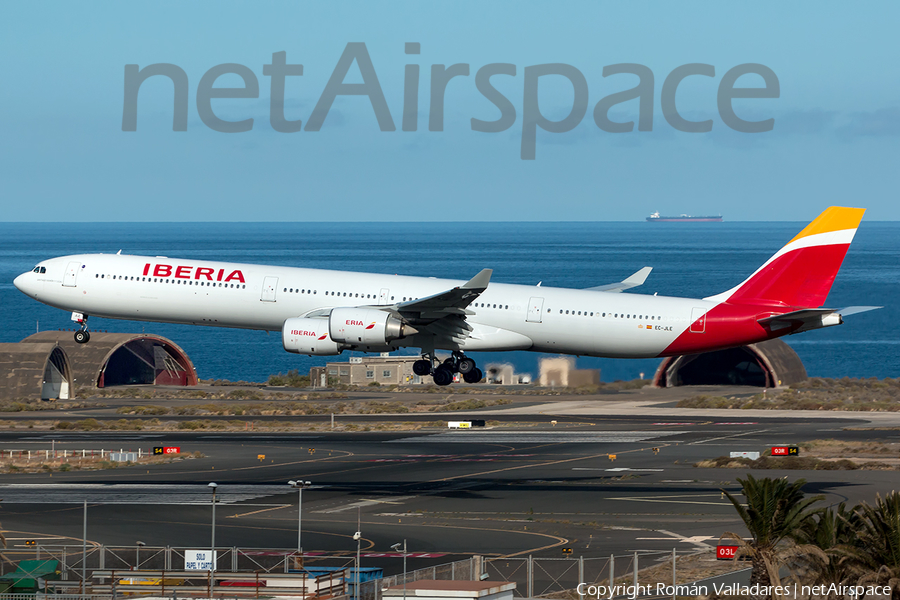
(688,259)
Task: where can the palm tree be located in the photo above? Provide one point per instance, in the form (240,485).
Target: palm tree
(876,556)
(834,532)
(775,514)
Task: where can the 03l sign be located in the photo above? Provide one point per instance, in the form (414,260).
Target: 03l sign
(725,552)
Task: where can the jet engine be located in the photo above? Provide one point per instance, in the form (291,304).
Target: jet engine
(366,327)
(309,336)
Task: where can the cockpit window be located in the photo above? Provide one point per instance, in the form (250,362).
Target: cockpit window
(43,269)
(39,269)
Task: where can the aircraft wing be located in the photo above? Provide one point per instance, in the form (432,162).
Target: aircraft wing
(812,318)
(452,302)
(633,281)
(444,314)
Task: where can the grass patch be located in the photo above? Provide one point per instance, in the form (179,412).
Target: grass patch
(815,393)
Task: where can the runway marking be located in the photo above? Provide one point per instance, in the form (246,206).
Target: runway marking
(132,493)
(367,502)
(618,469)
(538,437)
(257,511)
(725,437)
(668,499)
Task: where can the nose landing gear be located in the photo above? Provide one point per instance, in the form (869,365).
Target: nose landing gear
(444,372)
(82,336)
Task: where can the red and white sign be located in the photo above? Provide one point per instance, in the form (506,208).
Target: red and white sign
(171,450)
(780,450)
(725,552)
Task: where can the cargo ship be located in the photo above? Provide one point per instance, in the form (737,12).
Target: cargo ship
(684,219)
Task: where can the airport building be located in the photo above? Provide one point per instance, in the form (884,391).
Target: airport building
(767,364)
(560,371)
(363,370)
(35,371)
(50,365)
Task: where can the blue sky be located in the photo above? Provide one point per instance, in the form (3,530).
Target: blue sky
(64,156)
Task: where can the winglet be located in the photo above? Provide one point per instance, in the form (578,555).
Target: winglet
(479,282)
(626,284)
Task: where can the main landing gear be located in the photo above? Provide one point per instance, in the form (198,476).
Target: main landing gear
(443,373)
(82,336)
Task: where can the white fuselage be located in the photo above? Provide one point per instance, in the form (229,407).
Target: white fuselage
(504,317)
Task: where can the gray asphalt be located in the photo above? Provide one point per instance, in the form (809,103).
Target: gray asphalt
(495,492)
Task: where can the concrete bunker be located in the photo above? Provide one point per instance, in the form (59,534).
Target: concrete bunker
(31,371)
(767,364)
(112,359)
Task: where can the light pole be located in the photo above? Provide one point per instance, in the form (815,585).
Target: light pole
(212,543)
(396,548)
(137,555)
(300,484)
(358,537)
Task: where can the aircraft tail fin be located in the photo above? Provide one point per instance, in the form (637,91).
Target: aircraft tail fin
(801,273)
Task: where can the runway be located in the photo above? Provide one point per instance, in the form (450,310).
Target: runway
(613,485)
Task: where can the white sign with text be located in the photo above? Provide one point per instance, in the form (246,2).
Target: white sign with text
(199,560)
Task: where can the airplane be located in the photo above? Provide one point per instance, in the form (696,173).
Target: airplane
(323,313)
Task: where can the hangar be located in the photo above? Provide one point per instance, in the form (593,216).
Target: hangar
(36,370)
(767,364)
(111,359)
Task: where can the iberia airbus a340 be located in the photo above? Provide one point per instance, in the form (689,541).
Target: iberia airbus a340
(326,312)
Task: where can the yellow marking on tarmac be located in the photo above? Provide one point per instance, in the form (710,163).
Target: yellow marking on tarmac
(253,512)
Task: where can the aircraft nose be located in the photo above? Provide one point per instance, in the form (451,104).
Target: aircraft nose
(21,283)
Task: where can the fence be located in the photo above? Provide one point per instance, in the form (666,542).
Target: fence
(534,577)
(543,577)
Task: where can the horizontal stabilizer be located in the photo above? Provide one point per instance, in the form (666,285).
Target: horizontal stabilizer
(855,310)
(633,281)
(811,318)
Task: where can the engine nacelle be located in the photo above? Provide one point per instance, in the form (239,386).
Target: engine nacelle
(308,336)
(366,326)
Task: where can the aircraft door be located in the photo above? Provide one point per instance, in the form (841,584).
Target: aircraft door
(535,308)
(698,320)
(383,297)
(71,274)
(270,286)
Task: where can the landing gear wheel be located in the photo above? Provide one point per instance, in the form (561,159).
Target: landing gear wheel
(473,376)
(422,367)
(451,364)
(466,365)
(442,376)
(82,336)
